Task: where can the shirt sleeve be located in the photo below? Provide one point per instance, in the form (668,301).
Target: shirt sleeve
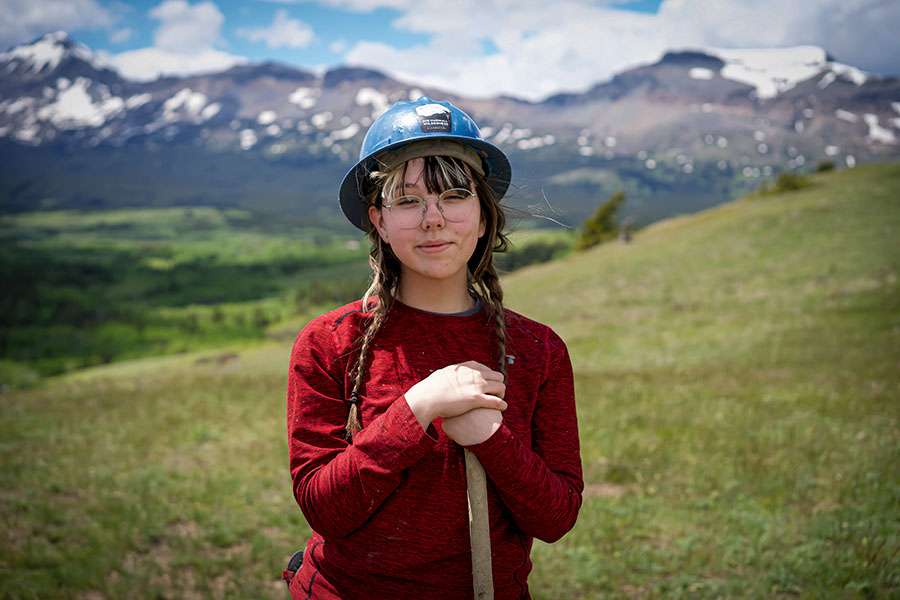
(542,484)
(339,485)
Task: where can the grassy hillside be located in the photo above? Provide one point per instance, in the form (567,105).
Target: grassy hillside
(737,378)
(738,386)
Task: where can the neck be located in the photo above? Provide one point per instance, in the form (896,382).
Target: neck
(446,296)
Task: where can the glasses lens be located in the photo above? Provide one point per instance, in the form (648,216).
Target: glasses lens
(407,211)
(455,204)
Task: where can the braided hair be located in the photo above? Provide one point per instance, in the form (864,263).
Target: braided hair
(440,172)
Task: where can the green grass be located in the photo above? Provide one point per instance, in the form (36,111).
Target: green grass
(90,287)
(737,376)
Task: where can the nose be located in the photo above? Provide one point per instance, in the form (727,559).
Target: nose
(433,217)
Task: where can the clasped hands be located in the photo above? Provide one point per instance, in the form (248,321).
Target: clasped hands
(469,398)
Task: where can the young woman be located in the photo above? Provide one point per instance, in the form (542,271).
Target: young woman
(384,394)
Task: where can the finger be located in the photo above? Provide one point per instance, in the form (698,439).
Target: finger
(495,388)
(492,402)
(481,368)
(492,375)
(473,364)
(486,372)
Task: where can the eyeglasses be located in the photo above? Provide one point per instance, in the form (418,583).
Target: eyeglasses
(455,204)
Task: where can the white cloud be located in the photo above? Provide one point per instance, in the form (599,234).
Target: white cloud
(22,21)
(283,32)
(572,44)
(149,63)
(120,36)
(183,43)
(186,28)
(542,47)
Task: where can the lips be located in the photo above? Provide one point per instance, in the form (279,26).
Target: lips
(433,247)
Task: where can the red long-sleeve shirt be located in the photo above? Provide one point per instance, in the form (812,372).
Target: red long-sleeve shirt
(388,512)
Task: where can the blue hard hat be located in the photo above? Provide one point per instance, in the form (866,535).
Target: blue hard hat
(408,122)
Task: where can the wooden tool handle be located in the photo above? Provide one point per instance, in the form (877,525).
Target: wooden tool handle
(479,528)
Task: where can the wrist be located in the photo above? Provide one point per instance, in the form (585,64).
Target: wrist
(417,407)
(480,436)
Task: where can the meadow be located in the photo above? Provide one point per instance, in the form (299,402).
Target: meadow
(737,378)
(93,287)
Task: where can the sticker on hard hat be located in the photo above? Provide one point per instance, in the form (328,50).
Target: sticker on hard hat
(434,118)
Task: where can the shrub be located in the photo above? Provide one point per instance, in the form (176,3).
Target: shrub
(789,182)
(530,254)
(602,225)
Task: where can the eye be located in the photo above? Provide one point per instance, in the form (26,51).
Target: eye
(408,202)
(456,195)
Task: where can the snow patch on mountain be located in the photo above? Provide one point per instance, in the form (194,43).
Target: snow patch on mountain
(321,120)
(857,76)
(185,101)
(248,139)
(304,97)
(267,117)
(536,142)
(17,105)
(877,133)
(48,52)
(846,115)
(701,73)
(346,133)
(772,71)
(185,105)
(138,100)
(369,96)
(827,79)
(75,108)
(209,111)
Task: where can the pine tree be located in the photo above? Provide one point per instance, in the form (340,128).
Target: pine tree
(602,225)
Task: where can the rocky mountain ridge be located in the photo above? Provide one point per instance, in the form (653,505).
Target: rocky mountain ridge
(690,128)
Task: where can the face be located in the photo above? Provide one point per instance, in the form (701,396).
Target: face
(437,250)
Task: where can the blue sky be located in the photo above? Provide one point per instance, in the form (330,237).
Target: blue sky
(527,48)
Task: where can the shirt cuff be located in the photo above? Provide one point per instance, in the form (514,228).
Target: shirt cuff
(501,444)
(409,421)
(395,438)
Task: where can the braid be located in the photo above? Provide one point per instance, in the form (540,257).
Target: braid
(488,290)
(485,281)
(384,278)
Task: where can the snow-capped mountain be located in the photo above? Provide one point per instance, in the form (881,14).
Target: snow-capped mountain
(693,124)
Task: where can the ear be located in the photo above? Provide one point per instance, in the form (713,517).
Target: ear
(378,222)
(482,227)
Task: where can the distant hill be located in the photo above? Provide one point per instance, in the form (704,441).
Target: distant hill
(694,129)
